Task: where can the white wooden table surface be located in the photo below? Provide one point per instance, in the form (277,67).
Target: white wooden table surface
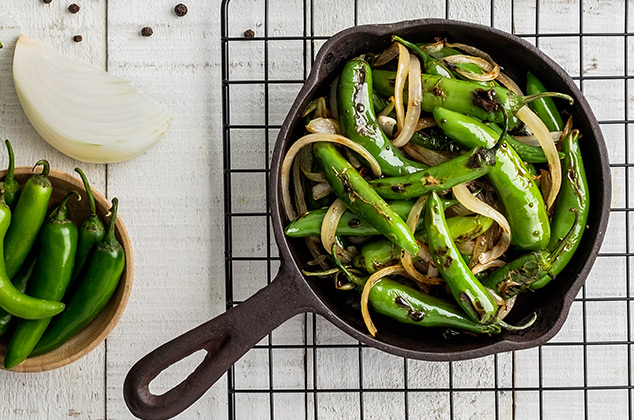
(171,199)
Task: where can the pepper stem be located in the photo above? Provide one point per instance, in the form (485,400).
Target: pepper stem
(358,281)
(91,199)
(530,98)
(510,327)
(46,168)
(113,219)
(422,54)
(61,212)
(498,144)
(10,170)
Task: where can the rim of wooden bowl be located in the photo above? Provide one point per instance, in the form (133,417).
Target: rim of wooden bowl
(97,331)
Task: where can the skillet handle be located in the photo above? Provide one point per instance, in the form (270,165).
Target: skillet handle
(226,338)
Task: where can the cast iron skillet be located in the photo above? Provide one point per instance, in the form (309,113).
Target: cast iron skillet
(230,335)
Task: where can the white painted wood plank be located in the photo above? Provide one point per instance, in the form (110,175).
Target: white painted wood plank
(76,390)
(172,196)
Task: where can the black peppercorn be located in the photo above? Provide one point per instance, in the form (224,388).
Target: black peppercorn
(77,38)
(147,31)
(180,10)
(249,33)
(73,8)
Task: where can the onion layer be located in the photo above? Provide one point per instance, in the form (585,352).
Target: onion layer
(537,126)
(462,194)
(399,84)
(414,103)
(314,138)
(365,295)
(330,223)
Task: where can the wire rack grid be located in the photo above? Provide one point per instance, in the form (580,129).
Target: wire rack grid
(307,369)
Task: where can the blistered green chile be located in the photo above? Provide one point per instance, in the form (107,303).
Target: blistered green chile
(523,202)
(358,120)
(380,253)
(360,198)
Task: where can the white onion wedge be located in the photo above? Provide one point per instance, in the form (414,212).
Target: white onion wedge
(367,288)
(414,103)
(399,84)
(330,223)
(81,110)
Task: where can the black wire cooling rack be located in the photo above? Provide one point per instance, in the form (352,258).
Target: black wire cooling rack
(306,369)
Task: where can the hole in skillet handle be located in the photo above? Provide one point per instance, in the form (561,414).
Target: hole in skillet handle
(516,56)
(225,339)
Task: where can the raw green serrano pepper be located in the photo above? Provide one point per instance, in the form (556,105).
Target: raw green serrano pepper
(378,254)
(410,306)
(360,198)
(466,167)
(523,202)
(482,102)
(470,294)
(574,194)
(13,300)
(20,281)
(96,287)
(54,267)
(91,232)
(29,215)
(11,186)
(358,121)
(545,108)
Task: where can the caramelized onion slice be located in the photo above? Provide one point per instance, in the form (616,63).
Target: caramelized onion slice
(330,223)
(414,103)
(365,295)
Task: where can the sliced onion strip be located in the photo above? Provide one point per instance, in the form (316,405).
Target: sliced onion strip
(537,126)
(462,194)
(314,138)
(388,108)
(532,140)
(425,123)
(491,264)
(365,295)
(323,125)
(406,257)
(424,155)
(389,54)
(330,223)
(414,103)
(473,51)
(298,186)
(321,190)
(509,83)
(399,84)
(492,70)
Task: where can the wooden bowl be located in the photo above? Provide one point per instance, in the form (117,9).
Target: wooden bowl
(95,332)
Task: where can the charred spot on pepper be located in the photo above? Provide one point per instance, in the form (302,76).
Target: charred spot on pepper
(354,223)
(416,316)
(486,99)
(398,188)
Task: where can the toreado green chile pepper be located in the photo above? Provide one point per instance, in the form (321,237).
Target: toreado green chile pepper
(11,186)
(378,254)
(526,152)
(360,198)
(54,267)
(466,97)
(13,300)
(309,224)
(29,215)
(91,231)
(407,305)
(430,65)
(466,167)
(470,294)
(20,281)
(410,306)
(521,273)
(545,108)
(523,202)
(574,194)
(96,287)
(358,121)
